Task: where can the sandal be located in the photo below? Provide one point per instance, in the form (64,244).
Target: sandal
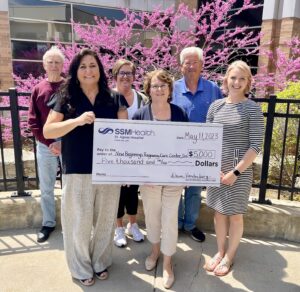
(102,275)
(87,282)
(223,268)
(211,265)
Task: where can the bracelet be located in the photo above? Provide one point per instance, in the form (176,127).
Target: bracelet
(236,172)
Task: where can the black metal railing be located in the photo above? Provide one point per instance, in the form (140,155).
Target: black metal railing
(288,112)
(272,115)
(13,109)
(27,140)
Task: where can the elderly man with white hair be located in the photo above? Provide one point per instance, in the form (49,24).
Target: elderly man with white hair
(194,94)
(48,150)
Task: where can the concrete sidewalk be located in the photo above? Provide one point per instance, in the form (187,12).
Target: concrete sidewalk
(261,265)
(280,220)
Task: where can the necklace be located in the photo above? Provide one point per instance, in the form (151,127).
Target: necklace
(161,113)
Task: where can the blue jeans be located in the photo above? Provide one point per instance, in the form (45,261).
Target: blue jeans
(189,208)
(47,169)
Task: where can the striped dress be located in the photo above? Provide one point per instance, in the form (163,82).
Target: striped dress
(243,128)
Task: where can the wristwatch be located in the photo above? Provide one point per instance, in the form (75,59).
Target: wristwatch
(236,172)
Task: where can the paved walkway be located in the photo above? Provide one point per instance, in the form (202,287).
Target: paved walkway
(262,265)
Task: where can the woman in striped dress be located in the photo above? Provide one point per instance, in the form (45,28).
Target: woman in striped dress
(243,125)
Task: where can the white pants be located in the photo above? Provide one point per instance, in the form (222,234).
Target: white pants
(161,215)
(88,215)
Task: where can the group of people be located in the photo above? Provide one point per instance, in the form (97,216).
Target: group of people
(61,116)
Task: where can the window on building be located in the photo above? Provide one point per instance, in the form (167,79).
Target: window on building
(29,50)
(86,14)
(252,19)
(240,3)
(24,68)
(249,17)
(40,31)
(36,24)
(27,57)
(38,9)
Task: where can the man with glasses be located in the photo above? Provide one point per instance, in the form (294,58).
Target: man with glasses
(48,150)
(194,94)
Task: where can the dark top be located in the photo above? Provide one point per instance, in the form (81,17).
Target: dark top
(145,113)
(38,109)
(77,145)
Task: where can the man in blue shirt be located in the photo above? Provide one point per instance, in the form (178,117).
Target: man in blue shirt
(194,94)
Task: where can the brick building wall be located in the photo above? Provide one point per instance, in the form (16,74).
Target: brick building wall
(290,27)
(5,53)
(275,33)
(192,4)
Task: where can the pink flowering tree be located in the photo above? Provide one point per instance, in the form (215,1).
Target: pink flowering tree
(155,39)
(286,69)
(24,85)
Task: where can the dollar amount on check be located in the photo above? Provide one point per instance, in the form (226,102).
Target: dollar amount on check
(152,152)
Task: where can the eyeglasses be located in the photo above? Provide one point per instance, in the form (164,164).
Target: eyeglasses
(156,87)
(53,62)
(189,64)
(123,73)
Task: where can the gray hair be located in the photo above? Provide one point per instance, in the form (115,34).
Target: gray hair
(191,50)
(54,51)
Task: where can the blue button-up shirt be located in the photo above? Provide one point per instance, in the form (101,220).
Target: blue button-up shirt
(196,105)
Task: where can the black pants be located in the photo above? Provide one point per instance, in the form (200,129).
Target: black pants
(128,200)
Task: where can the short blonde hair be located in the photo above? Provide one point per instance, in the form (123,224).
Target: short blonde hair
(238,65)
(161,75)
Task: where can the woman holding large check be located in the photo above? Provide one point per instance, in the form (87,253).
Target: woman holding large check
(88,211)
(161,202)
(243,125)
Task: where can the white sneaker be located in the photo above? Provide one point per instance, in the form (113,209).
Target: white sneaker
(134,231)
(119,238)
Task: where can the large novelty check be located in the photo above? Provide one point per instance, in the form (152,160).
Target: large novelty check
(163,153)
